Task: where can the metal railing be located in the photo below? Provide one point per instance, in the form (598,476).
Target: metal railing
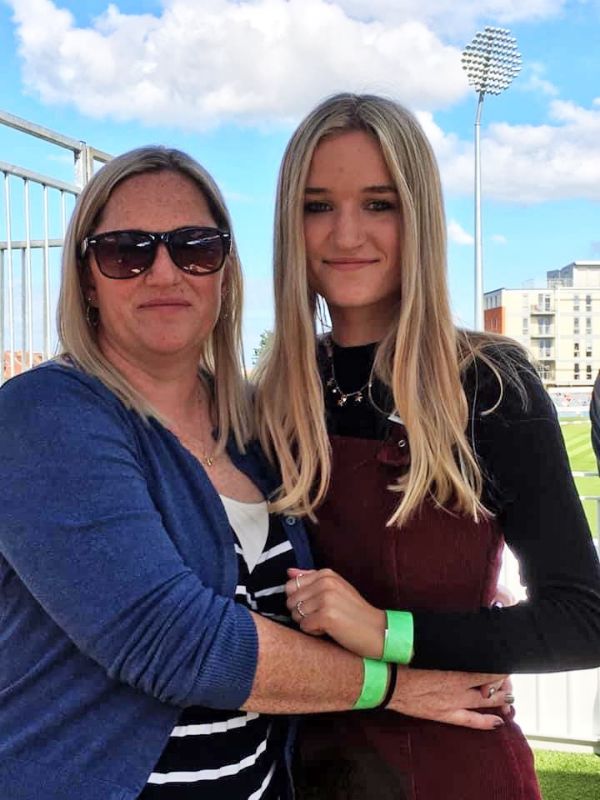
(34,210)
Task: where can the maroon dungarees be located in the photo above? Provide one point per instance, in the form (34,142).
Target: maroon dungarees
(436,562)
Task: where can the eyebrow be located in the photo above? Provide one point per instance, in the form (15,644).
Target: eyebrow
(379,189)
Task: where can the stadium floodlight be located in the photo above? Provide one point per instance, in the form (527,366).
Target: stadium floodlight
(491,62)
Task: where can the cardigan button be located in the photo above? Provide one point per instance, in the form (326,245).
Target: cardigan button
(291,520)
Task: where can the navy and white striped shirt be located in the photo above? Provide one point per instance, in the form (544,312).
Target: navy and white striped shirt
(237,755)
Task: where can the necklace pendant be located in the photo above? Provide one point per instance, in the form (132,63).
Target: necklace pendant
(343,399)
(359,398)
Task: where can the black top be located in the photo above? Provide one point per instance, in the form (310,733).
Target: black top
(529,486)
(595,419)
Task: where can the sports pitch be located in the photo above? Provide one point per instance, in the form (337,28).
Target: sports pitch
(576,433)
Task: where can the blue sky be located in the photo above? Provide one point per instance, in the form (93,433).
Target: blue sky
(227,80)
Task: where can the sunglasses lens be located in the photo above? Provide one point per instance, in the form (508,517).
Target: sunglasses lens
(197,250)
(124,254)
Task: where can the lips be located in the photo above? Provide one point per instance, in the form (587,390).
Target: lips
(349,263)
(165,302)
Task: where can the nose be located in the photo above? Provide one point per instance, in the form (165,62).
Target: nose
(163,271)
(348,231)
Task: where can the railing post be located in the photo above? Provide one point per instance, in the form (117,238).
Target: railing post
(84,164)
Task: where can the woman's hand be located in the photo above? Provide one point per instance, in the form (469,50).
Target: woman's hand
(450,697)
(322,602)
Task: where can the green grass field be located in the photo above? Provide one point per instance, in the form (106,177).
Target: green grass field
(577,438)
(568,776)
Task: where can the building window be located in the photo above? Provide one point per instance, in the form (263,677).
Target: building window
(588,302)
(588,351)
(576,303)
(576,372)
(547,306)
(575,349)
(588,324)
(588,372)
(576,325)
(525,326)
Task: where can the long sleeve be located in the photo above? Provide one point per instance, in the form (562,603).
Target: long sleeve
(529,485)
(595,419)
(83,535)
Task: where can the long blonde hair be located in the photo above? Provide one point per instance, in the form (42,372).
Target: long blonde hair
(222,353)
(421,356)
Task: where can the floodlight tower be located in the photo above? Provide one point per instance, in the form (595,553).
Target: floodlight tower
(491,62)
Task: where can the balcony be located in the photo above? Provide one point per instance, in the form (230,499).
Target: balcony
(536,308)
(542,333)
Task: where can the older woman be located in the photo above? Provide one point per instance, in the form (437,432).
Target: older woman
(140,570)
(420,449)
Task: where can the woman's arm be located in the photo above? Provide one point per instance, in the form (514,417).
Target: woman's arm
(529,482)
(299,674)
(87,543)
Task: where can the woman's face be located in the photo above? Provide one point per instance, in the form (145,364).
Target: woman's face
(163,311)
(352,227)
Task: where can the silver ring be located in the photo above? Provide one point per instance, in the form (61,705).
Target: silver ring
(298,580)
(299,608)
(491,692)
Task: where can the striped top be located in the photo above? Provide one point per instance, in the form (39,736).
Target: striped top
(236,755)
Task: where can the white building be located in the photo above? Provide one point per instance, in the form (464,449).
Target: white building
(559,324)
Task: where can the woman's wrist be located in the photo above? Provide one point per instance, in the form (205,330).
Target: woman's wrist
(398,637)
(375,685)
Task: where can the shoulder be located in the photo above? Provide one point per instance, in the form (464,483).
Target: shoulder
(56,394)
(500,379)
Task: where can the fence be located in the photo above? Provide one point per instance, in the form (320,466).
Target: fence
(34,209)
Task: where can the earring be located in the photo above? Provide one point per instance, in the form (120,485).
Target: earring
(92,315)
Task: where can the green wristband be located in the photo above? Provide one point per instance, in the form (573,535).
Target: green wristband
(399,637)
(375,681)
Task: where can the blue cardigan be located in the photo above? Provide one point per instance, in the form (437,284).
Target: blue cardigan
(117,577)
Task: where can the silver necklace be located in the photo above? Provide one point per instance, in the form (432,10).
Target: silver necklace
(341,397)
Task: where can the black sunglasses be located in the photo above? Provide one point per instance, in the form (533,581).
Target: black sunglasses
(127,254)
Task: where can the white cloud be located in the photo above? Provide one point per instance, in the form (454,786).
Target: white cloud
(205,62)
(453,18)
(498,238)
(528,163)
(201,63)
(533,80)
(458,235)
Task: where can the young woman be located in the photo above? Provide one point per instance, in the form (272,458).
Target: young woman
(417,449)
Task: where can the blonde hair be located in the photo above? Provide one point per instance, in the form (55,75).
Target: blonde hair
(222,353)
(421,356)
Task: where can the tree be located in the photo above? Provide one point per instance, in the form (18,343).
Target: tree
(264,343)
